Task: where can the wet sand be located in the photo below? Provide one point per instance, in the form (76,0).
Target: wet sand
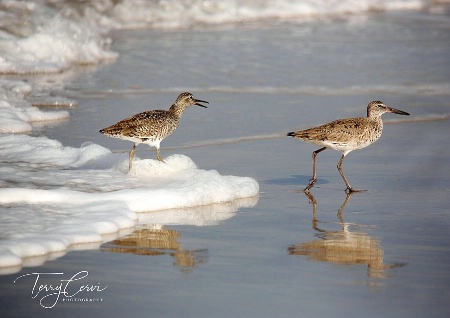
(386,254)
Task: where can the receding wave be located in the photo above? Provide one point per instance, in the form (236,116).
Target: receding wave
(436,89)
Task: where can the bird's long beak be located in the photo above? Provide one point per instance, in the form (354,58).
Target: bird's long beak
(395,111)
(198,101)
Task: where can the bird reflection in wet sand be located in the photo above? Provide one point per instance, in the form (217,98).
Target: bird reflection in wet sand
(343,246)
(157,241)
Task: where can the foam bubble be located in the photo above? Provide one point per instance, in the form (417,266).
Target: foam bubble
(53,196)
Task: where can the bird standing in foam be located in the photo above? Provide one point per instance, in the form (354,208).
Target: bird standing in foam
(151,127)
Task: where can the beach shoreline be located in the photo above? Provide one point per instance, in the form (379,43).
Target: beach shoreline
(266,255)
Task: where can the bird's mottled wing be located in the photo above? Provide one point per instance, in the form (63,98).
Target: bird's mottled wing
(341,131)
(140,125)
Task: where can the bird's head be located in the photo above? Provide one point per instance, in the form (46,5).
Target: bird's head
(186,100)
(377,108)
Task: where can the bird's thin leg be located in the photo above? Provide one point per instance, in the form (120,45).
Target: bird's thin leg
(158,155)
(130,163)
(349,188)
(313,180)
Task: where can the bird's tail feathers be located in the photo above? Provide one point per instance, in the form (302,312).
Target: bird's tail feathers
(300,134)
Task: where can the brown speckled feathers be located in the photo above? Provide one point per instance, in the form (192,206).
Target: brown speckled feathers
(155,124)
(151,127)
(353,132)
(346,135)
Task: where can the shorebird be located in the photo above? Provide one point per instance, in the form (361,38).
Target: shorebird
(346,135)
(151,127)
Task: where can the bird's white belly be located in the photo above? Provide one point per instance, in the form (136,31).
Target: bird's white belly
(150,142)
(346,146)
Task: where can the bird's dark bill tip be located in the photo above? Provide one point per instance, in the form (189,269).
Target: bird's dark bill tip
(198,101)
(291,134)
(398,111)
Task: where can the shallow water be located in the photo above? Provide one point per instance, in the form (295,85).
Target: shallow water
(385,254)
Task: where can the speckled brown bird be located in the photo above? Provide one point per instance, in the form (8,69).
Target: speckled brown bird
(151,127)
(346,135)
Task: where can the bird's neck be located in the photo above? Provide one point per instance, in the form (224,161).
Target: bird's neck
(376,119)
(373,115)
(177,110)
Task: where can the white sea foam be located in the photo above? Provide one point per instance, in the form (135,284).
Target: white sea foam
(16,112)
(182,13)
(52,196)
(43,37)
